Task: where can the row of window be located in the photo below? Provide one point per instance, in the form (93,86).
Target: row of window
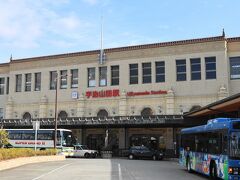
(210,142)
(28,82)
(181,74)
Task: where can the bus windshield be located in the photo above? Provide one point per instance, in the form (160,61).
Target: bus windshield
(235,145)
(68,139)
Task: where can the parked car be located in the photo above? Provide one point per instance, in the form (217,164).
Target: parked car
(83,151)
(144,152)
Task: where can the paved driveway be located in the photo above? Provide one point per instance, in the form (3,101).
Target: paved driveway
(100,169)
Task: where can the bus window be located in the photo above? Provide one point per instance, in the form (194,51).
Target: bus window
(224,144)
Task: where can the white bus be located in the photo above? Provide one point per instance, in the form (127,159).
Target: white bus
(25,138)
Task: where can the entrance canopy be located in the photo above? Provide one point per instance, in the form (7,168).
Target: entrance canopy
(227,107)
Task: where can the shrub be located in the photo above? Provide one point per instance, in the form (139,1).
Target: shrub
(3,138)
(24,152)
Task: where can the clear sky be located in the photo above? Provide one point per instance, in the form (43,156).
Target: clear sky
(30,28)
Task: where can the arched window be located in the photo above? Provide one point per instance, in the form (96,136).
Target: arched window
(27,116)
(147,112)
(102,113)
(194,108)
(62,115)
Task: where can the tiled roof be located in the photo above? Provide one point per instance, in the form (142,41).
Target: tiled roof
(126,48)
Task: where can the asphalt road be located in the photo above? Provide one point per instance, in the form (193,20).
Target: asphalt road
(100,169)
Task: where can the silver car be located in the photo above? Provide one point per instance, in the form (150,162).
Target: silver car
(83,151)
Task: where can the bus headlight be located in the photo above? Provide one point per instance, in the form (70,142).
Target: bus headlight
(233,170)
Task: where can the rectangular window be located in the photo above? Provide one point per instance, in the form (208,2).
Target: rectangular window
(2,85)
(195,68)
(28,78)
(103,76)
(235,67)
(18,83)
(1,113)
(210,66)
(53,78)
(91,77)
(146,73)
(133,73)
(37,81)
(7,88)
(74,78)
(114,75)
(160,71)
(63,79)
(181,70)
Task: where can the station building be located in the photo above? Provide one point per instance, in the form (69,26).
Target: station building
(137,93)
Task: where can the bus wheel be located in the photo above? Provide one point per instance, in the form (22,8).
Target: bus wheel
(213,171)
(189,165)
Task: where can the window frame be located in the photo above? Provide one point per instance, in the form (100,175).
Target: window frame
(91,79)
(18,85)
(196,72)
(28,82)
(115,77)
(181,73)
(53,79)
(74,78)
(231,70)
(37,81)
(63,79)
(102,76)
(207,71)
(147,76)
(2,85)
(160,67)
(133,77)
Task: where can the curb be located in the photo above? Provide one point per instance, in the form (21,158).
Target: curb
(12,163)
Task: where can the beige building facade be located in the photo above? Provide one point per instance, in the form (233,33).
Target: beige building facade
(157,80)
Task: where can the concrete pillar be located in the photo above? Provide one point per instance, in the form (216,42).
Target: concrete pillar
(222,93)
(9,109)
(43,107)
(122,138)
(123,104)
(81,106)
(170,102)
(169,138)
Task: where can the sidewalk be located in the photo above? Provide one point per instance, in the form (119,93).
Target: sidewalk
(12,163)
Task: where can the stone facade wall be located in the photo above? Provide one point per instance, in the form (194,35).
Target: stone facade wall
(180,97)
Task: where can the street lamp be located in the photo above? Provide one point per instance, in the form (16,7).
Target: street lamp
(56,99)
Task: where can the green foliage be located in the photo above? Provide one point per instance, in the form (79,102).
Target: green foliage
(3,138)
(24,152)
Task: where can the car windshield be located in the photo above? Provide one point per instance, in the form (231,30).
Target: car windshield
(235,145)
(84,147)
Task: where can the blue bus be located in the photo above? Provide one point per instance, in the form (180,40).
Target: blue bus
(212,149)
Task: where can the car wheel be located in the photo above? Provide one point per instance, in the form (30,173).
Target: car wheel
(86,155)
(130,156)
(154,157)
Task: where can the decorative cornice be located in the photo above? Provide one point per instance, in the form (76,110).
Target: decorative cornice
(233,39)
(126,48)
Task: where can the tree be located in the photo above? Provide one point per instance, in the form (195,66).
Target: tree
(3,138)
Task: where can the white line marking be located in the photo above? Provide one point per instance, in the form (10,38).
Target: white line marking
(119,172)
(54,170)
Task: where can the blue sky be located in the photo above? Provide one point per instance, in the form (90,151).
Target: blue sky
(30,28)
